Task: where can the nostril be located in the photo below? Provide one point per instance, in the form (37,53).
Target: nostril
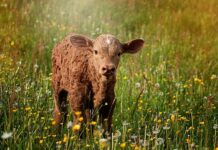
(112,69)
(104,69)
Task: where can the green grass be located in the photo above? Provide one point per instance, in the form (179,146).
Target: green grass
(176,72)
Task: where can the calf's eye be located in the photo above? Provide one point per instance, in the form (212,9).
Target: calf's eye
(96,52)
(119,54)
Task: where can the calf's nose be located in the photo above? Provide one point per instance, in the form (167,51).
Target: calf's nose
(108,69)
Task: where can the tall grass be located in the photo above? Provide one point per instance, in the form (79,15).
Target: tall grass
(166,94)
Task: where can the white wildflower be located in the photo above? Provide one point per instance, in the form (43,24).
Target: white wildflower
(125,123)
(141,141)
(69,124)
(134,137)
(215,126)
(157,85)
(160,141)
(5,5)
(97,29)
(166,127)
(58,146)
(36,66)
(145,143)
(213,77)
(54,39)
(148,134)
(161,93)
(103,140)
(193,145)
(6,135)
(137,85)
(18,89)
(178,85)
(19,63)
(156,131)
(103,143)
(116,134)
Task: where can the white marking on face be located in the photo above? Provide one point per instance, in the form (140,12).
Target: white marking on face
(108,41)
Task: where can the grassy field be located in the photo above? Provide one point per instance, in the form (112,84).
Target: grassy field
(167,94)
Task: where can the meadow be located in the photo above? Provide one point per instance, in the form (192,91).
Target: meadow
(167,94)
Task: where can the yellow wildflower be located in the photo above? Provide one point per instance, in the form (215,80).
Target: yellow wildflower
(97,133)
(183,118)
(172,117)
(78,113)
(123,145)
(191,128)
(65,138)
(41,141)
(72,137)
(80,119)
(45,128)
(201,123)
(14,109)
(53,122)
(93,123)
(76,128)
(137,148)
(88,146)
(12,43)
(159,121)
(27,108)
(125,78)
(129,130)
(199,81)
(133,145)
(188,140)
(53,135)
(185,86)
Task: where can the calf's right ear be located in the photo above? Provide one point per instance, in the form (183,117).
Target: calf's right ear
(133,46)
(81,41)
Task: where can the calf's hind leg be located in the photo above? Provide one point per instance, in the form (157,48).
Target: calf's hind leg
(60,111)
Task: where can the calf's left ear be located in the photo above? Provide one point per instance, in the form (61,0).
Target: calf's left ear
(133,46)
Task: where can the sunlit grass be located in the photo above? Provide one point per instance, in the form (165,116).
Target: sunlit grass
(166,94)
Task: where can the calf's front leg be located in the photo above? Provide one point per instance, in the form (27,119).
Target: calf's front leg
(106,113)
(77,108)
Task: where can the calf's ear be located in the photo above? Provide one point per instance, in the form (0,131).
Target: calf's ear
(81,41)
(133,46)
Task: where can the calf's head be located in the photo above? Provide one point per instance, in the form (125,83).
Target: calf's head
(107,51)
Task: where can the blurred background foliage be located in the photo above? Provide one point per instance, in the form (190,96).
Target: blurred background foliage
(186,31)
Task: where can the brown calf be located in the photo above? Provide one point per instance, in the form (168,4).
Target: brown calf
(84,72)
